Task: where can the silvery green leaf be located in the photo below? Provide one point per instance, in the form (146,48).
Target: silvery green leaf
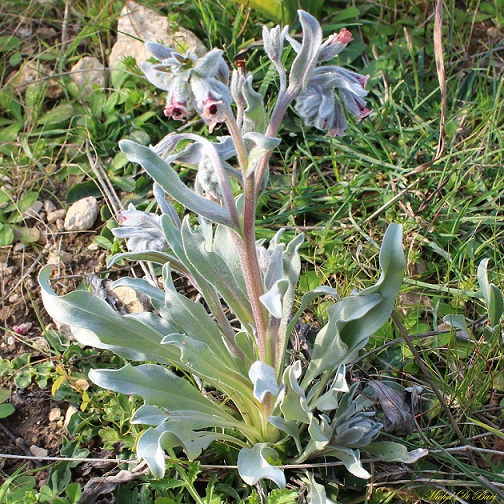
(191,317)
(289,427)
(195,419)
(94,322)
(266,143)
(226,248)
(273,266)
(246,343)
(254,114)
(273,41)
(166,177)
(316,491)
(154,293)
(209,64)
(254,466)
(294,405)
(330,399)
(149,448)
(357,432)
(147,255)
(154,441)
(491,294)
(273,299)
(149,415)
(159,51)
(264,380)
(156,76)
(262,145)
(165,207)
(389,451)
(351,460)
(306,58)
(200,359)
(157,386)
(353,319)
(213,268)
(323,290)
(330,349)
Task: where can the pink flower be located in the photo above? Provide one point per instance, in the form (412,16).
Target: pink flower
(344,37)
(176,110)
(213,111)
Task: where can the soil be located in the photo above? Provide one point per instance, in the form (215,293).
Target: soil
(33,422)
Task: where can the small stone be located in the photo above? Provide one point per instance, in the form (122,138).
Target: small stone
(30,283)
(37,451)
(56,215)
(59,256)
(82,214)
(60,224)
(88,73)
(133,301)
(34,72)
(138,24)
(65,330)
(13,298)
(54,414)
(19,247)
(49,206)
(34,211)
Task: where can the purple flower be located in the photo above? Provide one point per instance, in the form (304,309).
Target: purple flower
(331,89)
(194,85)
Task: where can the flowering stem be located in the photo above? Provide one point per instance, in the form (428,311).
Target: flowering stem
(282,103)
(247,245)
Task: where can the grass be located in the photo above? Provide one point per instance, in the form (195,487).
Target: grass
(340,192)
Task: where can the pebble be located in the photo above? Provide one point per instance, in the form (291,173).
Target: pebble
(138,23)
(19,247)
(54,414)
(13,298)
(37,451)
(58,257)
(60,224)
(34,211)
(56,215)
(86,73)
(82,214)
(49,206)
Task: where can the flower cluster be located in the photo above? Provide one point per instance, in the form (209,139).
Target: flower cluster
(331,87)
(193,84)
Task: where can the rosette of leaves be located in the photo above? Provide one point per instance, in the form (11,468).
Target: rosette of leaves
(221,371)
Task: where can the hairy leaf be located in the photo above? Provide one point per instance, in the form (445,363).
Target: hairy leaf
(254,466)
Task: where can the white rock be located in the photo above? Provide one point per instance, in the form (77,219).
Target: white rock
(87,73)
(35,72)
(49,206)
(138,24)
(37,451)
(82,214)
(54,414)
(55,215)
(133,301)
